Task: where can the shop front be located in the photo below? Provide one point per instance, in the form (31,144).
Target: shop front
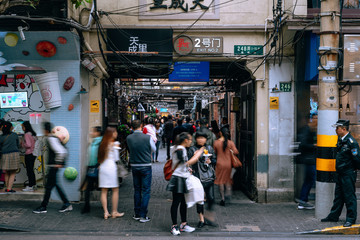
(41,80)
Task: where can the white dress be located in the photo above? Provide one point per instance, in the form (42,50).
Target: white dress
(108,170)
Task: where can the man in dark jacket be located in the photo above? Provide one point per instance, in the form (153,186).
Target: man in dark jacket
(204,127)
(347,157)
(189,126)
(168,133)
(307,147)
(56,159)
(140,147)
(178,129)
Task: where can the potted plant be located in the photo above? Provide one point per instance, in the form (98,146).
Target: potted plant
(77,3)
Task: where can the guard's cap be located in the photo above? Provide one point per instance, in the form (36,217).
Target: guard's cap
(341,122)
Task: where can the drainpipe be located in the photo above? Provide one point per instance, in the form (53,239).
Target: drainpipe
(88,25)
(98,63)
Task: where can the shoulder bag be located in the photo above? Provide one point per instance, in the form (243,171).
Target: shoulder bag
(235,162)
(93,171)
(121,170)
(206,173)
(168,171)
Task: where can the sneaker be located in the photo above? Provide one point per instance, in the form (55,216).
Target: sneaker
(10,191)
(175,231)
(40,210)
(144,220)
(66,208)
(28,189)
(305,205)
(186,228)
(136,217)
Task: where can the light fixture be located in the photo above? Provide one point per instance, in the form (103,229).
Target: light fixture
(21,32)
(340,108)
(275,89)
(348,107)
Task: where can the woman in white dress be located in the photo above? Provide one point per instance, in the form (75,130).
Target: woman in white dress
(108,155)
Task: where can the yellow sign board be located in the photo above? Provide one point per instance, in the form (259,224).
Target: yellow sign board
(274,103)
(94,106)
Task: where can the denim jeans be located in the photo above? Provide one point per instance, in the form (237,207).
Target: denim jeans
(142,187)
(309,181)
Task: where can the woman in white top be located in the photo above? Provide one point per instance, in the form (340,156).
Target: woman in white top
(177,183)
(108,155)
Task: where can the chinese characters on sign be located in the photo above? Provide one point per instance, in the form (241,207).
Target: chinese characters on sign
(248,49)
(184,45)
(135,46)
(285,86)
(208,45)
(158,4)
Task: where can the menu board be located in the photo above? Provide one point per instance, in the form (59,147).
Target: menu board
(13,100)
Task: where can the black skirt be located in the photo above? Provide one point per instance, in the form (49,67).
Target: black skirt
(177,185)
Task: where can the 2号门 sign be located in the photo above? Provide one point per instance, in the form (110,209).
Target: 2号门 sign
(185,45)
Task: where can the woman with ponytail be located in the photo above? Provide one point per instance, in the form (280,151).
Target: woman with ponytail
(222,148)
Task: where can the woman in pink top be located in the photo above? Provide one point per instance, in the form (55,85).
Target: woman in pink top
(223,168)
(28,144)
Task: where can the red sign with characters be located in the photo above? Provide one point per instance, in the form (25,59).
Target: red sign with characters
(183,45)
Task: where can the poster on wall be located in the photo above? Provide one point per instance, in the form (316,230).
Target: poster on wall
(13,100)
(190,72)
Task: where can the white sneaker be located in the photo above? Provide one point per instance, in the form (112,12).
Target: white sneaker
(175,231)
(28,189)
(186,228)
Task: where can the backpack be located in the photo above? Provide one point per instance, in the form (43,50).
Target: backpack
(38,147)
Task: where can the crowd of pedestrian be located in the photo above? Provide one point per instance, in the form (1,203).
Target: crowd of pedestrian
(201,157)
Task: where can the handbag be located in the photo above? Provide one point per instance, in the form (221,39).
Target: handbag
(121,170)
(93,172)
(168,171)
(235,162)
(206,173)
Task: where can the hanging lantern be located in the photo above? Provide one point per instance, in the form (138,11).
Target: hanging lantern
(11,39)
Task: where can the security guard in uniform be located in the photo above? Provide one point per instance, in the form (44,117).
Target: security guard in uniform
(347,153)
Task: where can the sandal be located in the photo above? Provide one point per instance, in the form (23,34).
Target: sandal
(117,214)
(107,215)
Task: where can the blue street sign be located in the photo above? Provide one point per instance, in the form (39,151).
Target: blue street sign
(190,72)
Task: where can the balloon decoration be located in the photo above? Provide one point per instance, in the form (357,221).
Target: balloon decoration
(11,39)
(61,132)
(69,83)
(70,173)
(46,49)
(71,107)
(62,40)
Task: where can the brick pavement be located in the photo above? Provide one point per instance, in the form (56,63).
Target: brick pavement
(242,215)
